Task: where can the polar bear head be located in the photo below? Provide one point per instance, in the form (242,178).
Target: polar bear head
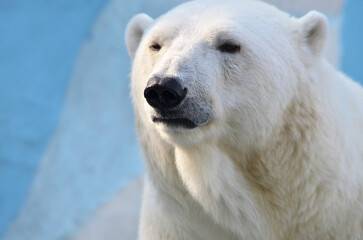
(212,69)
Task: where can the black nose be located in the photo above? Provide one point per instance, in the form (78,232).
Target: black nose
(164,93)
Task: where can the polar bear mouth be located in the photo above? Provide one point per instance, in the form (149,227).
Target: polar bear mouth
(176,122)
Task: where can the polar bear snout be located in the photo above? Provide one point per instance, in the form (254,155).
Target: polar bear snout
(164,93)
(170,103)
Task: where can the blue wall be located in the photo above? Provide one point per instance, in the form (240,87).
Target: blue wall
(39,42)
(352,37)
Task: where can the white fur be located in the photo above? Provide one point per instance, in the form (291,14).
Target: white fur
(282,157)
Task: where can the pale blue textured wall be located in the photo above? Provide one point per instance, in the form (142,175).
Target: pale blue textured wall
(39,43)
(352,37)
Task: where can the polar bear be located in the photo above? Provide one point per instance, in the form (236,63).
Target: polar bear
(247,131)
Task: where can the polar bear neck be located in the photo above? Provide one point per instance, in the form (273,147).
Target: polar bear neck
(278,184)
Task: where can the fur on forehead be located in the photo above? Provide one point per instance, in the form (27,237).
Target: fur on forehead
(202,13)
(192,19)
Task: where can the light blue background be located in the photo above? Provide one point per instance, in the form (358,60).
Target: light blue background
(40,42)
(352,40)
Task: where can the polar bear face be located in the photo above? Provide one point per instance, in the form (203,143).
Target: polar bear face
(208,70)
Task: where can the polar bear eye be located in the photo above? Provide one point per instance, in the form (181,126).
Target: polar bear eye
(155,47)
(229,48)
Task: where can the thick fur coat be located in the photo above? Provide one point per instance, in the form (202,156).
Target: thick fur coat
(276,151)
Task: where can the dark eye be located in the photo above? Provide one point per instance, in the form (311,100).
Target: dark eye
(229,48)
(155,47)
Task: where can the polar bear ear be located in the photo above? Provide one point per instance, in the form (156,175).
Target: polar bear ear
(135,30)
(314,30)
